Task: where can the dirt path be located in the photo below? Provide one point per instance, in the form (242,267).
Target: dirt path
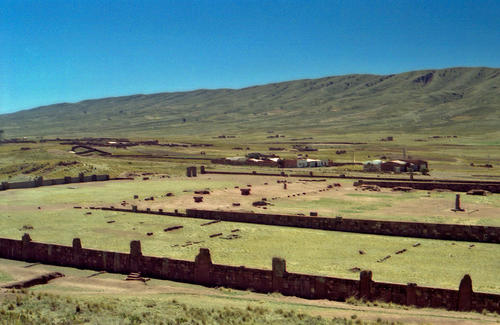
(77,282)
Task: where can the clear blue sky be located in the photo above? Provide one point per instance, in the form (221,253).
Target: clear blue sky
(66,51)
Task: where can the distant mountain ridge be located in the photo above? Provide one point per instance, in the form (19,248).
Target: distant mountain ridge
(463,100)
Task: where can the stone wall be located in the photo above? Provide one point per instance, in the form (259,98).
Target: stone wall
(264,163)
(452,186)
(39,181)
(278,279)
(15,185)
(483,234)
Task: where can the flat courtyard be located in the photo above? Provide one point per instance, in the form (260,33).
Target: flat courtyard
(48,214)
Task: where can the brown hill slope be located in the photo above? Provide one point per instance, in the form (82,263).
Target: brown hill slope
(453,100)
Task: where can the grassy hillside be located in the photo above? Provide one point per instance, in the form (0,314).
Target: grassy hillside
(453,100)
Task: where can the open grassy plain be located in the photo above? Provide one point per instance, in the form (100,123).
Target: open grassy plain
(434,263)
(448,157)
(451,120)
(50,213)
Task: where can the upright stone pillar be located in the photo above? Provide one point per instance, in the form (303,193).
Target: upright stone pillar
(465,294)
(411,294)
(77,252)
(26,247)
(202,170)
(77,244)
(457,204)
(188,172)
(135,262)
(203,267)
(26,238)
(365,285)
(39,181)
(279,272)
(194,171)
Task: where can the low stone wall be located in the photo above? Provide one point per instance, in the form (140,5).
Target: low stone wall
(452,186)
(254,173)
(39,181)
(264,163)
(16,185)
(483,234)
(161,157)
(203,271)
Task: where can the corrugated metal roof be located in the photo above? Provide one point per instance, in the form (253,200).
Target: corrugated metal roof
(236,158)
(400,162)
(374,162)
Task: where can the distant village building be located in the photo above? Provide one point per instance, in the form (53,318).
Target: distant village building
(372,166)
(272,160)
(396,166)
(237,159)
(288,163)
(316,163)
(418,165)
(302,163)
